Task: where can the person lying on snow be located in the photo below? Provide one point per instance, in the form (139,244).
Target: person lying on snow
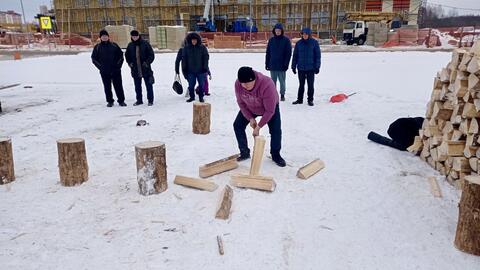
(402,133)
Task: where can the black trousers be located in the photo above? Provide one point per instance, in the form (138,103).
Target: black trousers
(116,79)
(310,76)
(274,127)
(138,88)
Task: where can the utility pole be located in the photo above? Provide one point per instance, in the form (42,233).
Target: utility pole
(26,25)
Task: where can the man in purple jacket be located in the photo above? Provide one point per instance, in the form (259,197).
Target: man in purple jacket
(257,96)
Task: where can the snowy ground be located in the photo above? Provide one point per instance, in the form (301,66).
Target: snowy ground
(370,208)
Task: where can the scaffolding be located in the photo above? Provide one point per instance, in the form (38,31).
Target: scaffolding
(89,16)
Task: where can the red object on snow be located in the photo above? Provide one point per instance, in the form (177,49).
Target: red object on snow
(340,97)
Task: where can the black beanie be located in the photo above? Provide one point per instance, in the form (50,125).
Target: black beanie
(246,74)
(134,33)
(103,32)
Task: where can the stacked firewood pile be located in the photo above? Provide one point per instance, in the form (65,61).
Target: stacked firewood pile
(449,139)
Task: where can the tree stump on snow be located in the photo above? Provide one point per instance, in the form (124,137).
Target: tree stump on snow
(7,173)
(467,238)
(72,161)
(151,167)
(201,118)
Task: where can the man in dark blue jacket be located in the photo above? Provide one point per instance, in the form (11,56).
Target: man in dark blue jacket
(108,58)
(306,58)
(140,56)
(279,51)
(195,65)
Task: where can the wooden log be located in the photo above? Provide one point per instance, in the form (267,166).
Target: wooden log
(219,166)
(460,87)
(473,83)
(472,140)
(434,188)
(434,154)
(220,245)
(473,128)
(432,131)
(444,76)
(465,61)
(223,211)
(457,135)
(201,118)
(440,167)
(416,146)
(72,161)
(151,167)
(467,237)
(461,164)
(470,151)
(7,172)
(439,112)
(464,125)
(453,148)
(195,183)
(437,83)
(431,162)
(474,65)
(469,111)
(265,183)
(429,112)
(475,49)
(473,163)
(310,169)
(436,94)
(257,157)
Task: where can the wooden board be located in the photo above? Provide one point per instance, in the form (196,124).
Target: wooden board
(195,183)
(219,166)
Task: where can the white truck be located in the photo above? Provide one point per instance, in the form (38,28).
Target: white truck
(355,32)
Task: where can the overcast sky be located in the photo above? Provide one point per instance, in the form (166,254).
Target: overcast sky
(31,6)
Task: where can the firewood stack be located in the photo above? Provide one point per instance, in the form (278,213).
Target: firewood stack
(449,139)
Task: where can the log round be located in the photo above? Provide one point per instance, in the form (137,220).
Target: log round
(467,238)
(7,173)
(72,161)
(151,167)
(201,118)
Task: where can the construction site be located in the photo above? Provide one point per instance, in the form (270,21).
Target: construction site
(323,16)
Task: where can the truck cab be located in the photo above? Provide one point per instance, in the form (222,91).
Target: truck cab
(355,32)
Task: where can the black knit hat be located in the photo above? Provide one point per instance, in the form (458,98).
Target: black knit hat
(134,33)
(246,74)
(103,32)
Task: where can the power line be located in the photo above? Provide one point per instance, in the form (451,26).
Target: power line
(447,6)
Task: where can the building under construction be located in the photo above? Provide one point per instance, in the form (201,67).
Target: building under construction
(323,16)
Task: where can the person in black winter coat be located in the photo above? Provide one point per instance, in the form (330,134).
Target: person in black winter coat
(402,133)
(140,56)
(307,59)
(195,65)
(108,58)
(277,59)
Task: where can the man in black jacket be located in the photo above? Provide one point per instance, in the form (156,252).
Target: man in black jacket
(140,56)
(108,58)
(277,58)
(195,65)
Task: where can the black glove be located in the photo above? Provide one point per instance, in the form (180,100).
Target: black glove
(294,70)
(267,68)
(317,70)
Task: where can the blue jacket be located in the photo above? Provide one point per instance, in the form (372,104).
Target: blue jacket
(306,55)
(279,51)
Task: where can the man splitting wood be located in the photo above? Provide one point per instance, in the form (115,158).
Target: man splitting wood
(257,96)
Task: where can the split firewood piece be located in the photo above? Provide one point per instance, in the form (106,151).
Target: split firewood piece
(265,183)
(435,189)
(219,166)
(220,245)
(195,183)
(310,169)
(223,211)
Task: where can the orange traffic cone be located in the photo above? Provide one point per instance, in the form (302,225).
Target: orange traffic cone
(17,56)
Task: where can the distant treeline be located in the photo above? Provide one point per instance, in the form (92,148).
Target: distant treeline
(435,22)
